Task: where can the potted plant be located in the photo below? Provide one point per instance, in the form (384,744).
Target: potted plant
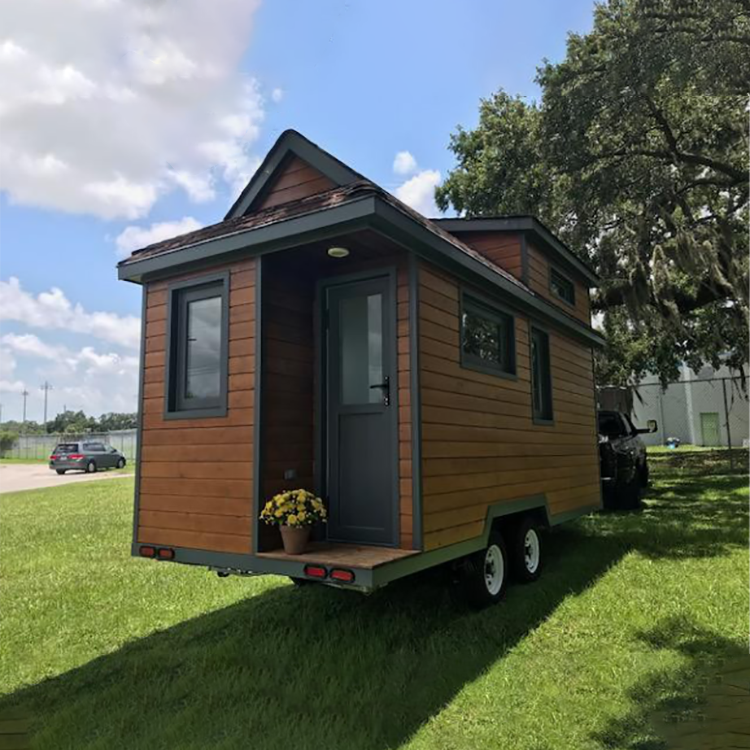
(295,512)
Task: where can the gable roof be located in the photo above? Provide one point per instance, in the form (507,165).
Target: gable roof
(352,204)
(289,143)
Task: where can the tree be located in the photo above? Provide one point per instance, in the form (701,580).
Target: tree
(637,157)
(7,441)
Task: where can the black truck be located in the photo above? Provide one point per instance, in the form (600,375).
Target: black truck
(624,465)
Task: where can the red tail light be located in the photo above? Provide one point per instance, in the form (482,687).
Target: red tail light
(345,576)
(147,551)
(53,458)
(315,571)
(166,554)
(75,456)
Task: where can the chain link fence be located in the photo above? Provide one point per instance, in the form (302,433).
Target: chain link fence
(41,446)
(703,422)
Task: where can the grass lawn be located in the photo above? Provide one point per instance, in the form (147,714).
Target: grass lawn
(105,651)
(23,461)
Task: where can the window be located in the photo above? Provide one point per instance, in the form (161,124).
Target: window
(541,377)
(562,286)
(487,338)
(196,381)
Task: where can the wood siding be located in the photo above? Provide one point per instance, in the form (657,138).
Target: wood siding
(196,475)
(480,445)
(502,248)
(539,282)
(296,179)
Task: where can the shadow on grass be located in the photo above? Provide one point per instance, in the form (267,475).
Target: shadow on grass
(318,668)
(698,463)
(678,708)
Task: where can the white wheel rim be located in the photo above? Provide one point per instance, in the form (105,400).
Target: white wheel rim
(531,551)
(494,569)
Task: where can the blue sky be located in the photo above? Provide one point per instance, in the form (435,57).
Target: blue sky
(157,115)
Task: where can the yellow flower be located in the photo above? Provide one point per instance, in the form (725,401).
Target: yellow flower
(301,516)
(279,513)
(292,520)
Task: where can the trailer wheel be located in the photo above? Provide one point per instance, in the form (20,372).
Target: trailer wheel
(526,551)
(484,574)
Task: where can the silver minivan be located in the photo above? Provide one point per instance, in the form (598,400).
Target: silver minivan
(86,455)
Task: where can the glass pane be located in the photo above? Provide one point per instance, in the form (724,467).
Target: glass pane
(487,338)
(361,349)
(203,367)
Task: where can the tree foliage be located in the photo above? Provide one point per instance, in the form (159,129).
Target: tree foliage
(637,157)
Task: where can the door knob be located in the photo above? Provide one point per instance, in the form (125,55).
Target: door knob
(385,386)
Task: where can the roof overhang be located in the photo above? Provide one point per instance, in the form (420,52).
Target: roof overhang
(369,211)
(532,228)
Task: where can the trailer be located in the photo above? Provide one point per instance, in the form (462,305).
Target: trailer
(430,379)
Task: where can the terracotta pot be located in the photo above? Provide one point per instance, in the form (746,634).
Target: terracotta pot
(295,538)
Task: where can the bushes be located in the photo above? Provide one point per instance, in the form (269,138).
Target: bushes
(7,441)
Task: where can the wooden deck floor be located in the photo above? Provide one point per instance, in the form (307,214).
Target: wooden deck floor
(351,555)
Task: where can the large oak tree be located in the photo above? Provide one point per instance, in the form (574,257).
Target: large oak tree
(637,155)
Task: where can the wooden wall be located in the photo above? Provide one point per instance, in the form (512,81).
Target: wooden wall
(196,475)
(502,248)
(479,443)
(296,179)
(539,277)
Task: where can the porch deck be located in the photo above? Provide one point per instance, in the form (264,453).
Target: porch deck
(345,555)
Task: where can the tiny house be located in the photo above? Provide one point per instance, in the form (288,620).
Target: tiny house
(430,379)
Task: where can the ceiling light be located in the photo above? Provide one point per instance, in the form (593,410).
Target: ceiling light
(338,252)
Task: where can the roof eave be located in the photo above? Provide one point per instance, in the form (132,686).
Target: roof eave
(527,224)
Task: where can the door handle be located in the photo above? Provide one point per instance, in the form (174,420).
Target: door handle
(385,386)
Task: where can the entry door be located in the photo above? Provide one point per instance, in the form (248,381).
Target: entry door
(710,428)
(361,412)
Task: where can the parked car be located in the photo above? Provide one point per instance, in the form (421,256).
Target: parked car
(88,456)
(624,465)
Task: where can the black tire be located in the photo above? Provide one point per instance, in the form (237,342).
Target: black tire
(628,497)
(60,471)
(121,463)
(479,585)
(525,551)
(91,467)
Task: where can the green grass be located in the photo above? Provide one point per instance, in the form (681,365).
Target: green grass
(106,651)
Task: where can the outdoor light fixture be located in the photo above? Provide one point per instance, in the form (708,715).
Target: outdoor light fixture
(338,252)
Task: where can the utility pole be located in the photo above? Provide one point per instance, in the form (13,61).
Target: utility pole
(46,388)
(25,395)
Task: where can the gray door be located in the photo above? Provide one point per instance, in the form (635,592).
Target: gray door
(360,441)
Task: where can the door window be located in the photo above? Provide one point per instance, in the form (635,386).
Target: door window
(361,349)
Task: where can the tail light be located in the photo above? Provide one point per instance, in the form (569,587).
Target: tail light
(345,576)
(147,551)
(75,456)
(166,554)
(53,458)
(315,571)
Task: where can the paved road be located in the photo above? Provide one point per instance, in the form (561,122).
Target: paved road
(15,477)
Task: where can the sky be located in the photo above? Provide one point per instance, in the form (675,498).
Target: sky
(123,122)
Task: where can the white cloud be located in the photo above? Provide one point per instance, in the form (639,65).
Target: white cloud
(8,367)
(419,192)
(404,163)
(134,238)
(11,386)
(27,343)
(53,310)
(107,105)
(277,95)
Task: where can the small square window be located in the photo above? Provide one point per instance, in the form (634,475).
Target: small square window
(487,338)
(562,287)
(541,376)
(196,381)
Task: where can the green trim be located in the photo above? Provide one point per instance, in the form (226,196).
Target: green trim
(524,224)
(289,143)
